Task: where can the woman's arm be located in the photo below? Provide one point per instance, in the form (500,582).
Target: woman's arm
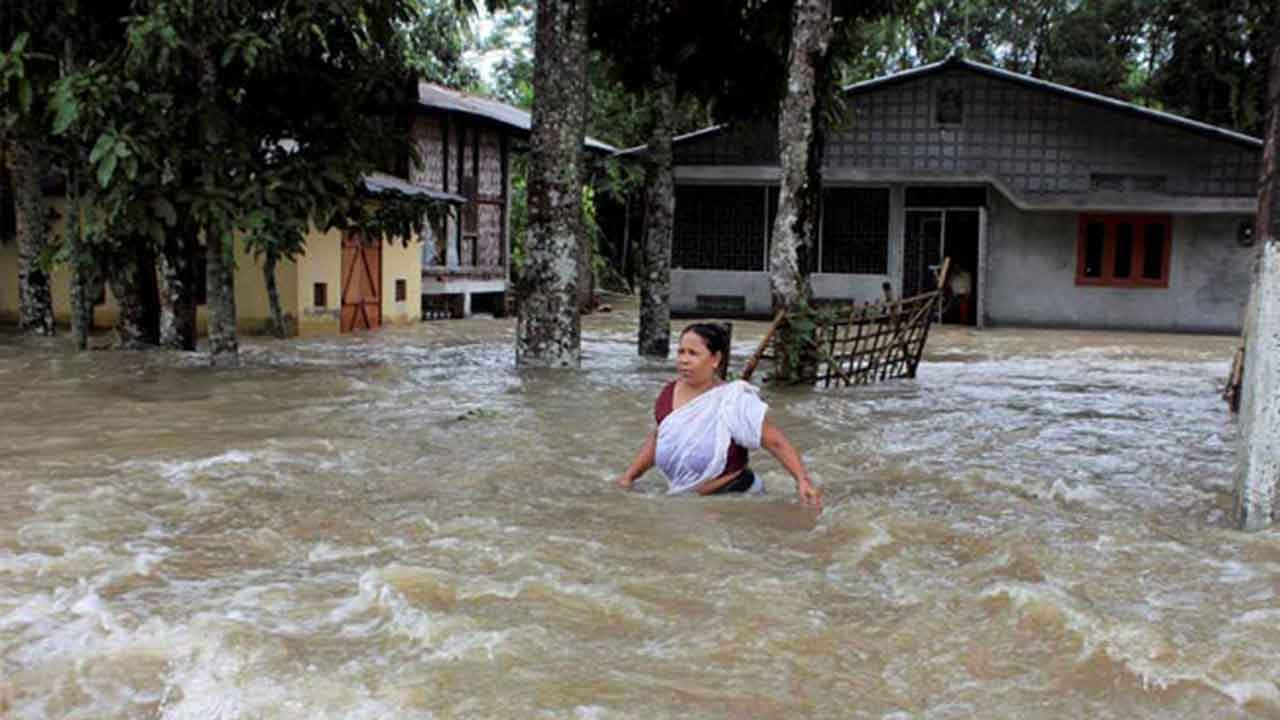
(772,439)
(643,461)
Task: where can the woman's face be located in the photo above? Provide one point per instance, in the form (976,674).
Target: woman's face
(694,362)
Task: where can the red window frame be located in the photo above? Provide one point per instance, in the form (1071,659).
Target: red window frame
(1137,257)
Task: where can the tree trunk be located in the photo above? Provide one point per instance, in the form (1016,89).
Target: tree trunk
(178,286)
(273,296)
(82,269)
(27,169)
(133,281)
(548,331)
(1258,466)
(800,150)
(82,296)
(655,273)
(224,348)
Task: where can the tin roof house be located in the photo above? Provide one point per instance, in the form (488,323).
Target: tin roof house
(1063,207)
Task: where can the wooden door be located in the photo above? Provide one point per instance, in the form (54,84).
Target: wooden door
(361,283)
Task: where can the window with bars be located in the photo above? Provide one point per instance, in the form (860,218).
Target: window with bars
(719,228)
(855,231)
(1123,250)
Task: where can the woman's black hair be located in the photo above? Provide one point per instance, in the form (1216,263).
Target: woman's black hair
(713,335)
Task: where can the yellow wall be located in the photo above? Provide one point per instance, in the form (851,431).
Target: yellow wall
(104,316)
(253,309)
(321,264)
(402,262)
(295,281)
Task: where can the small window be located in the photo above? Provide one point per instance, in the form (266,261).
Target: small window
(950,110)
(320,295)
(402,289)
(1123,251)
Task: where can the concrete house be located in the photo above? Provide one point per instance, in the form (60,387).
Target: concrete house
(1066,208)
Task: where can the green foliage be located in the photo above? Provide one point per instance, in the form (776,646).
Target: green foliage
(798,345)
(437,38)
(1202,58)
(235,116)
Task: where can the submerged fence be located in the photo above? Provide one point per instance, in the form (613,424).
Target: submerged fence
(854,344)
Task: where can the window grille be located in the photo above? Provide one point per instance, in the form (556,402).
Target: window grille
(855,231)
(719,228)
(1123,250)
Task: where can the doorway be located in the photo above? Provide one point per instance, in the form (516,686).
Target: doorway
(934,234)
(361,283)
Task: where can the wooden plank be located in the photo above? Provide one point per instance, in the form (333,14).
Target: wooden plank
(750,367)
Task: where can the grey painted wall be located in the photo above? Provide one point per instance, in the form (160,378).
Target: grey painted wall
(1031,267)
(1038,144)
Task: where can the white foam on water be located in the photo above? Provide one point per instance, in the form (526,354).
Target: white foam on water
(1140,648)
(1244,692)
(1269,616)
(325,552)
(1078,493)
(215,679)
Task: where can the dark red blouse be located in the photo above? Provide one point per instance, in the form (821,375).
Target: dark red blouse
(737,459)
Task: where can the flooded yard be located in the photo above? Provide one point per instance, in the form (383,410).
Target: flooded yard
(403,525)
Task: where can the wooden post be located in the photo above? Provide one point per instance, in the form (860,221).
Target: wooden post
(764,345)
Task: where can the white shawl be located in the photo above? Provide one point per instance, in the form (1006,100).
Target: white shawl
(693,441)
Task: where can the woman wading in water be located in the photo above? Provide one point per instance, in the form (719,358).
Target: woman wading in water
(706,425)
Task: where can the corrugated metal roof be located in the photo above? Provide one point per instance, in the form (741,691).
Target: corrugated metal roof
(379,182)
(641,149)
(1082,95)
(441,98)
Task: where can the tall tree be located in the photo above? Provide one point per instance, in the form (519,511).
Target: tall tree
(548,331)
(1257,479)
(800,150)
(28,167)
(24,67)
(660,204)
(214,119)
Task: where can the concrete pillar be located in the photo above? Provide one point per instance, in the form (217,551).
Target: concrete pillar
(1258,467)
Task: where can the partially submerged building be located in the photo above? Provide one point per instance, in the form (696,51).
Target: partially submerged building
(466,143)
(346,283)
(1066,208)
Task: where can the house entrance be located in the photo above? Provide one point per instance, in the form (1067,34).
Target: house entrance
(935,233)
(361,283)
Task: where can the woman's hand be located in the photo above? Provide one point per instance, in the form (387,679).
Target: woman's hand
(625,482)
(809,493)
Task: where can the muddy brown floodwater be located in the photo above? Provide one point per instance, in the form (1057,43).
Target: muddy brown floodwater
(401,525)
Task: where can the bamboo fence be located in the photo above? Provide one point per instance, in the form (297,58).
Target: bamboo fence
(862,343)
